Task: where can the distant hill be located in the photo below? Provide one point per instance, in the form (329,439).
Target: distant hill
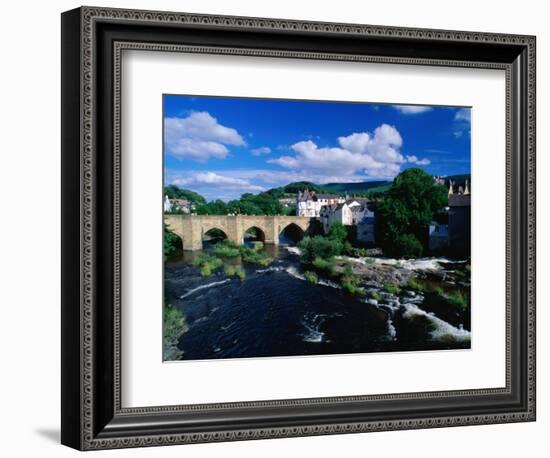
(357,188)
(173,192)
(293,188)
(362,187)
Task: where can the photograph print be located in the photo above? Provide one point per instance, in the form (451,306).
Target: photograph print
(303,227)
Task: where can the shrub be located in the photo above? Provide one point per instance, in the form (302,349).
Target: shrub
(174,323)
(200,259)
(376,296)
(347,248)
(407,246)
(240,273)
(229,270)
(234,271)
(170,243)
(351,282)
(338,232)
(392,288)
(319,247)
(257,245)
(415,285)
(311,276)
(255,256)
(437,290)
(174,326)
(226,249)
(207,264)
(351,288)
(457,299)
(324,265)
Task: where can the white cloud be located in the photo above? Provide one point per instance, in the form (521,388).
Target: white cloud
(213,185)
(412,109)
(463,115)
(462,122)
(414,160)
(199,136)
(423,162)
(215,179)
(374,155)
(261,150)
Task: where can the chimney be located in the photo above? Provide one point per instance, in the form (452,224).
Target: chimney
(450,187)
(466,189)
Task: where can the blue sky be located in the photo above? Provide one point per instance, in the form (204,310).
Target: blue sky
(222,147)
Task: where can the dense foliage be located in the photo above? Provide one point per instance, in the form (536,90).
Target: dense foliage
(174,327)
(173,192)
(248,204)
(371,189)
(171,242)
(404,214)
(207,264)
(319,247)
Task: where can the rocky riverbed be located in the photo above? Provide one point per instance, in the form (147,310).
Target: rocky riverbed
(274,310)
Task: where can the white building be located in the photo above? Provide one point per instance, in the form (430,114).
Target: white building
(309,203)
(167,204)
(343,213)
(181,205)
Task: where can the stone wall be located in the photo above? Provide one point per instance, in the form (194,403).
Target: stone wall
(191,228)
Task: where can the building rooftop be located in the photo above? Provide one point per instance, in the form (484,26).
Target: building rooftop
(327,196)
(459,200)
(307,195)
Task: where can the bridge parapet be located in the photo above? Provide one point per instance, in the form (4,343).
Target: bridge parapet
(191,228)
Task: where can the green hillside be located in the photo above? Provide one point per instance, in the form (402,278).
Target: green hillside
(174,192)
(362,187)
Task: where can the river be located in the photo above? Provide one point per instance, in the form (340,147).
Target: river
(275,312)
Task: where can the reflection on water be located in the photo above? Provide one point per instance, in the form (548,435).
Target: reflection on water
(275,312)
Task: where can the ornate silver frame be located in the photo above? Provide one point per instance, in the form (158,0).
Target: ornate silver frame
(93,42)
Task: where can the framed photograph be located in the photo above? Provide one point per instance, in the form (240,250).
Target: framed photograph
(278,228)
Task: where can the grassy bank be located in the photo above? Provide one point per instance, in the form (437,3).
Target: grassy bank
(225,253)
(174,327)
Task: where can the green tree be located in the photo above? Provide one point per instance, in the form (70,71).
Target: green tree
(171,241)
(338,232)
(403,215)
(215,207)
(319,247)
(173,192)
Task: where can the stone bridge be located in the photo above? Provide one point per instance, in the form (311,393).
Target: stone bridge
(191,228)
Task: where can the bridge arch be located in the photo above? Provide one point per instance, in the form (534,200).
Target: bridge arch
(292,231)
(255,232)
(213,232)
